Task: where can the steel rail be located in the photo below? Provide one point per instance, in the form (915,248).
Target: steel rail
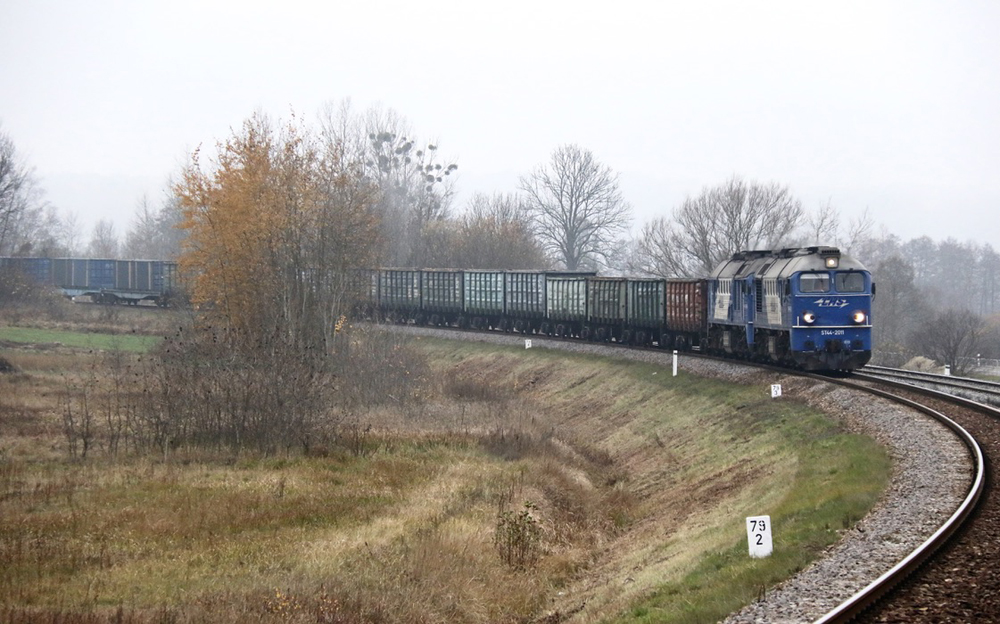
(857,603)
(936,378)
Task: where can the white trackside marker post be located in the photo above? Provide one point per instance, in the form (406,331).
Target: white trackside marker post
(527,343)
(775,391)
(759,536)
(675,363)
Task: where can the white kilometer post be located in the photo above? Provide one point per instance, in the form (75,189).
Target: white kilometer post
(759,536)
(527,343)
(775,391)
(675,363)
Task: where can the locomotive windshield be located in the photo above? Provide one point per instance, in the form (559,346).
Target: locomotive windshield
(850,282)
(814,283)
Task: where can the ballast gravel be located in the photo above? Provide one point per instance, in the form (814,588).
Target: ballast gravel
(932,474)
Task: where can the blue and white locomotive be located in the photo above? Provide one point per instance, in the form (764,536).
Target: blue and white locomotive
(808,307)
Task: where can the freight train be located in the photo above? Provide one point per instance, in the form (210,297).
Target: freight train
(809,307)
(103,280)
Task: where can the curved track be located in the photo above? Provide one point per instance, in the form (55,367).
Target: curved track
(876,597)
(961,583)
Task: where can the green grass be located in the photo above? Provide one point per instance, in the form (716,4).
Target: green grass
(840,479)
(80,340)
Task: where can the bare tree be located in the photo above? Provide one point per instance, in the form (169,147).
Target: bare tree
(69,233)
(951,337)
(154,232)
(734,216)
(989,276)
(859,230)
(578,208)
(103,241)
(415,186)
(141,236)
(823,225)
(657,250)
(18,195)
(496,233)
(898,307)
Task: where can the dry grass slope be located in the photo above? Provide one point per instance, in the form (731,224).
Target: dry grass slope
(519,487)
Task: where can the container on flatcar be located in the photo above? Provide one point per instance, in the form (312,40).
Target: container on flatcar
(484,293)
(525,294)
(687,305)
(607,298)
(38,270)
(646,302)
(101,273)
(62,272)
(124,275)
(144,274)
(105,280)
(165,278)
(441,291)
(399,290)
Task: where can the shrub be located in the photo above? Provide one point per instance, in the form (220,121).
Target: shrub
(518,537)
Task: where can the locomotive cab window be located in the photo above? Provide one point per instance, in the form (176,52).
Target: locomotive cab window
(814,283)
(850,282)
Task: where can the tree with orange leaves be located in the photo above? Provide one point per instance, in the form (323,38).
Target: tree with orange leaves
(270,228)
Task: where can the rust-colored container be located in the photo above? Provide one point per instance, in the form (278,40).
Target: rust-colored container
(686,305)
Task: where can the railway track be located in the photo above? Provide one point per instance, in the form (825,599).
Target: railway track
(890,597)
(962,582)
(987,392)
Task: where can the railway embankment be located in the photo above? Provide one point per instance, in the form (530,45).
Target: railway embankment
(929,475)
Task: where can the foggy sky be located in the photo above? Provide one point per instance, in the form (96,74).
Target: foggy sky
(891,106)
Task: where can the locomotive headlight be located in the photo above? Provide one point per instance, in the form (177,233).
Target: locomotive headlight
(808,318)
(859,317)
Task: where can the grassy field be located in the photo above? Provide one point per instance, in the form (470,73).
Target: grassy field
(529,484)
(132,343)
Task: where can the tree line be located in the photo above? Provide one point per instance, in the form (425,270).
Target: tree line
(292,204)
